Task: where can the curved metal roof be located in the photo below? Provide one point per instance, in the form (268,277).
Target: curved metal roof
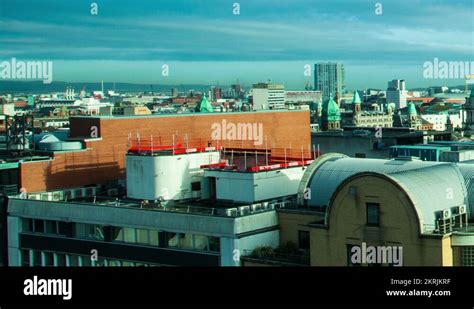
(431,186)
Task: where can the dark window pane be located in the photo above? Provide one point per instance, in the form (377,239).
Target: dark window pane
(27,225)
(196,186)
(37,258)
(373,215)
(39,226)
(303,239)
(51,227)
(61,259)
(25,257)
(214,244)
(66,229)
(48,259)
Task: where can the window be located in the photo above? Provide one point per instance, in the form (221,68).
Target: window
(37,260)
(117,233)
(60,259)
(201,242)
(25,257)
(48,258)
(467,256)
(196,186)
(73,260)
(51,227)
(373,214)
(129,235)
(171,239)
(154,238)
(27,225)
(66,229)
(303,240)
(86,260)
(142,237)
(186,241)
(214,244)
(38,226)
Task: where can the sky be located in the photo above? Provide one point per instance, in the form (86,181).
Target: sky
(204,42)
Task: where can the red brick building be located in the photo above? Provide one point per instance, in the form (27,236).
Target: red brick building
(106,142)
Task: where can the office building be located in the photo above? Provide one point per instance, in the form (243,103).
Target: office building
(329,79)
(397,93)
(268,96)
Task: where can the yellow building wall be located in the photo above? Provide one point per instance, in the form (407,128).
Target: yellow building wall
(398,227)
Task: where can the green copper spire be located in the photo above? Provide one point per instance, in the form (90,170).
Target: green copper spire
(331,110)
(412,109)
(356,98)
(204,106)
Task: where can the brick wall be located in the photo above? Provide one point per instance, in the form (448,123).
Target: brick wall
(104,159)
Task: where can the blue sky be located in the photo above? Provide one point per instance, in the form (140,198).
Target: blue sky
(203,42)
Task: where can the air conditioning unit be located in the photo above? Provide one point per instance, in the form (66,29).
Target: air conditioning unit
(90,191)
(462,209)
(231,212)
(56,196)
(265,205)
(277,205)
(256,207)
(244,210)
(46,196)
(78,193)
(446,214)
(34,196)
(68,194)
(112,192)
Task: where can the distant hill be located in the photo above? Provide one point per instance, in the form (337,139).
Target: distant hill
(40,87)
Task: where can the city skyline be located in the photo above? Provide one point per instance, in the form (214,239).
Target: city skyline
(205,42)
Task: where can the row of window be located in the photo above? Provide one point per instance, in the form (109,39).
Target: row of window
(184,241)
(47,258)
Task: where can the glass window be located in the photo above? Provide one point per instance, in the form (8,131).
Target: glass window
(171,239)
(86,260)
(73,260)
(39,226)
(303,240)
(27,225)
(186,241)
(129,235)
(66,228)
(154,238)
(117,233)
(114,263)
(196,186)
(51,227)
(128,264)
(373,214)
(60,259)
(37,260)
(48,258)
(214,244)
(142,236)
(201,242)
(25,257)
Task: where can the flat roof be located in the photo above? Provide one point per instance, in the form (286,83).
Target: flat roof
(434,147)
(188,114)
